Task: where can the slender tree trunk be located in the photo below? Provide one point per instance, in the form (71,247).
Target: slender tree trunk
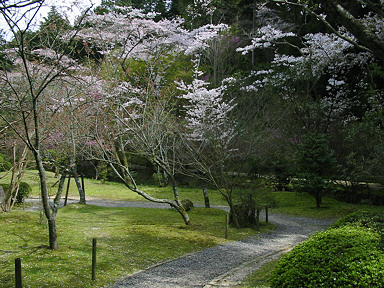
(206,196)
(258,218)
(18,171)
(79,188)
(52,233)
(215,68)
(318,199)
(232,212)
(45,201)
(52,220)
(180,208)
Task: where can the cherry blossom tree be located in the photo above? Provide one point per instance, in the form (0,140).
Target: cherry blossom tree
(9,4)
(26,92)
(211,137)
(362,19)
(323,81)
(322,68)
(138,53)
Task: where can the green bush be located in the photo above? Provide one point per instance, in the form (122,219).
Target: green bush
(187,204)
(370,220)
(24,191)
(4,165)
(347,256)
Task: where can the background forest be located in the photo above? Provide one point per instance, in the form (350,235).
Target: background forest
(210,92)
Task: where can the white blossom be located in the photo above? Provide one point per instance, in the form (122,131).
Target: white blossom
(207,115)
(266,35)
(199,38)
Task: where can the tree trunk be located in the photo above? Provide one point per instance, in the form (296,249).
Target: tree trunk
(258,219)
(318,199)
(18,171)
(80,189)
(52,233)
(45,201)
(183,214)
(232,212)
(206,197)
(180,208)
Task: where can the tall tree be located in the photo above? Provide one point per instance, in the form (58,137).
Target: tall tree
(138,52)
(316,165)
(25,91)
(362,19)
(329,81)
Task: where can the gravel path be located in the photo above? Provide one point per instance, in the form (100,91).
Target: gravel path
(224,265)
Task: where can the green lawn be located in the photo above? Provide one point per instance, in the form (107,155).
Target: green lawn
(129,239)
(294,203)
(303,204)
(113,190)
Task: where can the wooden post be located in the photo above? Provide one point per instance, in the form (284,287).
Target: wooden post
(18,278)
(226,225)
(94,259)
(66,194)
(266,214)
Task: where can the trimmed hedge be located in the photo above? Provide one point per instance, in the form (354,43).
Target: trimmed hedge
(367,219)
(347,256)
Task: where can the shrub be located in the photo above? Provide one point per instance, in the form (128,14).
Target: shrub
(370,220)
(341,257)
(4,165)
(252,197)
(24,191)
(187,204)
(160,179)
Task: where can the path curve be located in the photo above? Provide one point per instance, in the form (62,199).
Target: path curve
(228,264)
(224,265)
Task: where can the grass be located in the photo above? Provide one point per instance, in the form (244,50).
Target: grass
(303,204)
(261,277)
(292,203)
(113,190)
(128,240)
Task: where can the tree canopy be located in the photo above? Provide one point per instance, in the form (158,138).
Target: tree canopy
(201,88)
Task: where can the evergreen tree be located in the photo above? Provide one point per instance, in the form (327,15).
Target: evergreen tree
(316,165)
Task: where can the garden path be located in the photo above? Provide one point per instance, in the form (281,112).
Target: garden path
(228,264)
(224,265)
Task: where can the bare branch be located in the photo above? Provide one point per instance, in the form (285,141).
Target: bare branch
(326,23)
